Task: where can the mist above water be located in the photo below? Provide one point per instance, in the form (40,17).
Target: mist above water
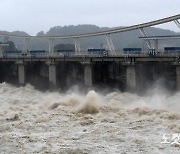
(86,122)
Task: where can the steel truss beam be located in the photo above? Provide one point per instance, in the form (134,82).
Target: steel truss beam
(6,39)
(51,46)
(177,23)
(109,31)
(77,45)
(155,41)
(110,44)
(26,45)
(148,42)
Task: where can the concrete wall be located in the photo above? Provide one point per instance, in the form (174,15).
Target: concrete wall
(131,77)
(178,78)
(88,75)
(52,76)
(21,74)
(115,75)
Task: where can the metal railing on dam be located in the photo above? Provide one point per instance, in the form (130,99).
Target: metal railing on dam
(94,57)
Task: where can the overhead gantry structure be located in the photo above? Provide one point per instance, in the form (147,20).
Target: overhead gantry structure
(106,33)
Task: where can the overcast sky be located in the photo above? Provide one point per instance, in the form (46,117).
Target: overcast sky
(33,16)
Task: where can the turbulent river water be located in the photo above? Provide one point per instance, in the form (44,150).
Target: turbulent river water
(32,121)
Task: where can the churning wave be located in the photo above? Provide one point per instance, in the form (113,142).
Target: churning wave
(73,122)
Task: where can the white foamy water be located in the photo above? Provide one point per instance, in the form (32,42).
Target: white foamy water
(35,122)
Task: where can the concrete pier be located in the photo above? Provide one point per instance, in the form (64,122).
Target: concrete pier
(88,75)
(21,73)
(131,77)
(126,73)
(52,76)
(178,78)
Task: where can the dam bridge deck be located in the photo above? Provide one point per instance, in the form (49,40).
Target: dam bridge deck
(160,57)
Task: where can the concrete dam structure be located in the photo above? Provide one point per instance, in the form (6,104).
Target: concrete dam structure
(133,69)
(131,72)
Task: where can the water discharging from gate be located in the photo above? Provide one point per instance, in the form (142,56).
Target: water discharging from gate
(72,122)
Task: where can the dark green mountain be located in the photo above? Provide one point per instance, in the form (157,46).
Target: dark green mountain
(120,40)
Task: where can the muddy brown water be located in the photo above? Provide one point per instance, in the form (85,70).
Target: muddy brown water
(50,122)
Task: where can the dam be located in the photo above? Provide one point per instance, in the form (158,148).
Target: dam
(123,71)
(133,69)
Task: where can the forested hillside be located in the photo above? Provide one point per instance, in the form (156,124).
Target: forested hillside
(120,40)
